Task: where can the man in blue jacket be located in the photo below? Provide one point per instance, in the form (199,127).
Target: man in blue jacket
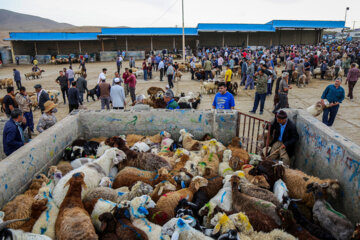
(13,134)
(335,94)
(17,78)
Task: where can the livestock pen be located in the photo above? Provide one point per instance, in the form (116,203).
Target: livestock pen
(320,151)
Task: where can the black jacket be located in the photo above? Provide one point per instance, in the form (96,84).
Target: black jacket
(44,96)
(290,136)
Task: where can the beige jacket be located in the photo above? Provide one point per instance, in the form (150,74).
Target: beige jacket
(24,102)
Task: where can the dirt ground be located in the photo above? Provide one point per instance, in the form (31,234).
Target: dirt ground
(347,122)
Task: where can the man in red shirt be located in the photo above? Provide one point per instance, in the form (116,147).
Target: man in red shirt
(132,83)
(125,76)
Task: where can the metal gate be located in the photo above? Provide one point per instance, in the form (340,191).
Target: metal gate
(254,133)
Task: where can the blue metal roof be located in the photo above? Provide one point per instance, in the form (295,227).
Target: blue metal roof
(147,31)
(223,27)
(306,24)
(52,36)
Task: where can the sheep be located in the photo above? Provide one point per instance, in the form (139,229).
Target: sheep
(242,222)
(239,156)
(258,180)
(210,160)
(73,222)
(289,225)
(54,175)
(323,213)
(20,207)
(188,142)
(275,234)
(162,188)
(101,149)
(166,204)
(224,167)
(137,190)
(80,162)
(64,167)
(146,161)
(21,235)
(138,171)
(105,182)
(297,182)
(138,211)
(222,224)
(315,109)
(270,170)
(46,223)
(356,234)
(130,178)
(154,90)
(282,193)
(93,173)
(208,87)
(108,226)
(183,231)
(243,202)
(140,147)
(36,210)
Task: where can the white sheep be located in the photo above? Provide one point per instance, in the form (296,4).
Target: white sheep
(183,231)
(101,149)
(140,147)
(93,173)
(224,167)
(21,235)
(102,206)
(80,162)
(105,182)
(45,224)
(282,193)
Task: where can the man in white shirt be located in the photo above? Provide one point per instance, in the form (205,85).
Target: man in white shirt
(119,63)
(192,69)
(102,75)
(161,69)
(220,62)
(70,74)
(117,95)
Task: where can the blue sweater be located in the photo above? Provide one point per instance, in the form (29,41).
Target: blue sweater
(333,94)
(11,137)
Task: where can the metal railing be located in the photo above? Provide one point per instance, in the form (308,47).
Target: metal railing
(254,133)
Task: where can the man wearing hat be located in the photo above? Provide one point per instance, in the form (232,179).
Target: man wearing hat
(117,95)
(171,103)
(48,118)
(285,137)
(140,106)
(42,96)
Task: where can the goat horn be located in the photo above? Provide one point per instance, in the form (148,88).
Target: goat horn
(4,224)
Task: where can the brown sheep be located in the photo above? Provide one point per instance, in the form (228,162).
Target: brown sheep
(258,180)
(271,171)
(146,161)
(161,189)
(154,90)
(188,142)
(209,161)
(73,222)
(20,207)
(131,139)
(64,167)
(36,210)
(239,156)
(297,181)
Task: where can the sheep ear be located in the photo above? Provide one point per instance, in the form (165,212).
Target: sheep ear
(324,185)
(161,190)
(103,226)
(197,185)
(216,229)
(68,183)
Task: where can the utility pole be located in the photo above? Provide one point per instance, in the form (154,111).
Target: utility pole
(183,34)
(347,9)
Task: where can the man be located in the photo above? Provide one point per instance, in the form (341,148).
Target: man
(335,94)
(144,68)
(17,78)
(157,61)
(117,95)
(149,70)
(116,75)
(25,104)
(192,69)
(243,72)
(207,69)
(352,78)
(170,74)
(131,62)
(307,67)
(232,64)
(8,103)
(104,92)
(140,106)
(42,97)
(125,76)
(337,67)
(63,81)
(86,56)
(161,69)
(283,92)
(260,95)
(48,118)
(220,62)
(249,75)
(223,99)
(102,75)
(70,58)
(13,134)
(74,98)
(70,75)
(17,60)
(132,85)
(81,85)
(119,63)
(301,71)
(290,67)
(228,75)
(285,137)
(346,65)
(171,103)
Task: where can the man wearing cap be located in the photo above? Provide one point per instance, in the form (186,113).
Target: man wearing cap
(42,96)
(335,94)
(283,92)
(102,75)
(171,103)
(64,83)
(140,106)
(13,133)
(117,95)
(285,137)
(48,118)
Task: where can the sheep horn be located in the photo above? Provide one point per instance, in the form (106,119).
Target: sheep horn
(4,224)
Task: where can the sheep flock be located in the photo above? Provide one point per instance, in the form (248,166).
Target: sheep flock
(156,187)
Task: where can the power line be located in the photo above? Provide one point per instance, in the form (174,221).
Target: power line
(165,12)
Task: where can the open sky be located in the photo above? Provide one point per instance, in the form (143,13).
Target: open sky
(167,13)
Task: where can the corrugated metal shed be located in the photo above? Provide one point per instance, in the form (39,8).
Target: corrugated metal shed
(236,27)
(306,24)
(52,36)
(147,31)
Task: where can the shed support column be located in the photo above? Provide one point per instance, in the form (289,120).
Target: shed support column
(126,44)
(35,47)
(174,45)
(151,43)
(57,48)
(270,41)
(102,45)
(247,39)
(300,36)
(79,47)
(12,51)
(223,40)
